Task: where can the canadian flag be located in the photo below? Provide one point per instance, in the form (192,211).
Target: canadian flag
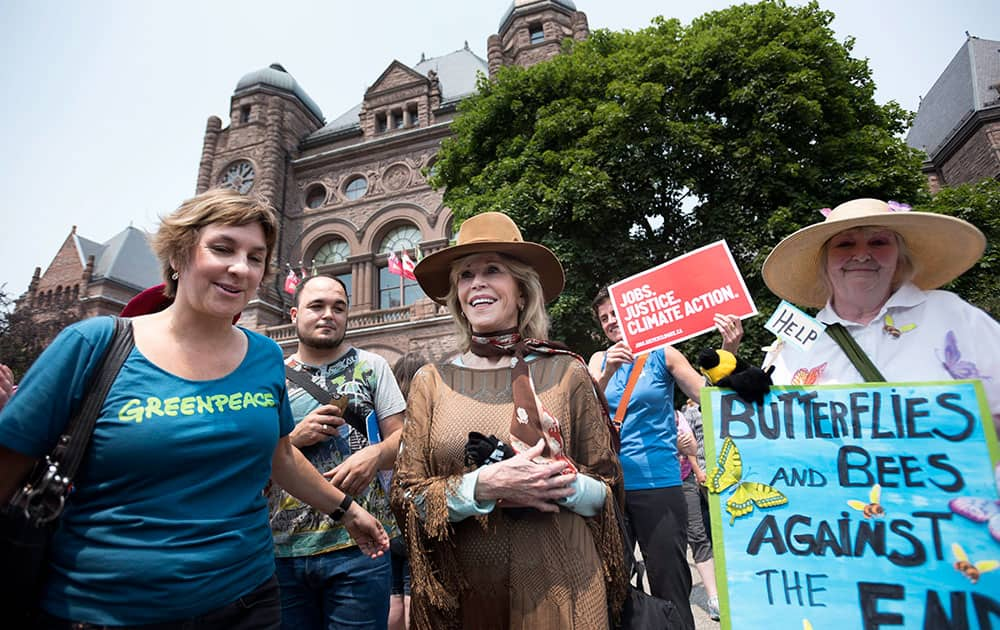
(394,264)
(408,266)
(291,281)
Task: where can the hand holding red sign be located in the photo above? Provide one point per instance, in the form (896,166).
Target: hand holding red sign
(680,298)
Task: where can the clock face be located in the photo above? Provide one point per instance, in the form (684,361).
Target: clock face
(238,176)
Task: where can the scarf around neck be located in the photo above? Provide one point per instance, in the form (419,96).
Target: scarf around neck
(530,421)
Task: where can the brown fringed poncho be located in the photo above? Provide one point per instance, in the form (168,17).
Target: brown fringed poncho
(523,569)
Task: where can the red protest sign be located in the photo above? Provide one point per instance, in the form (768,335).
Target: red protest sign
(678,299)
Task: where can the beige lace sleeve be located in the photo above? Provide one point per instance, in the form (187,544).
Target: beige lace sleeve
(594,455)
(420,495)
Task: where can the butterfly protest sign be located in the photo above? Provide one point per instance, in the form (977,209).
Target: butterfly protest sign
(873,505)
(678,299)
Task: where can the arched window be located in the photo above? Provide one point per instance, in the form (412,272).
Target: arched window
(400,238)
(332,252)
(395,290)
(335,252)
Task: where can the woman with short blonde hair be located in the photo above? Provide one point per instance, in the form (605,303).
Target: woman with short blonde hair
(167,524)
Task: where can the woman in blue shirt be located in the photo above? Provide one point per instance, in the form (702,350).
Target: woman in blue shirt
(655,507)
(168,524)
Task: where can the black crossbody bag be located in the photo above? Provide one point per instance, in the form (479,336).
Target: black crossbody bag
(29,519)
(324,397)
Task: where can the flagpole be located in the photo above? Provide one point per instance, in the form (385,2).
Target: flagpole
(401,279)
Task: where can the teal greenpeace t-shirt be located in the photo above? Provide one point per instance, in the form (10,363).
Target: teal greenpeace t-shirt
(168,518)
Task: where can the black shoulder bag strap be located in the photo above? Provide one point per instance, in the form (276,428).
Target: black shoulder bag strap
(45,494)
(854,352)
(303,380)
(322,396)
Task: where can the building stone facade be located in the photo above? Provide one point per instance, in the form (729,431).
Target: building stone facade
(87,278)
(347,190)
(352,189)
(958,122)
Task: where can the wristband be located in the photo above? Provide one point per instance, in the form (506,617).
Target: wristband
(341,510)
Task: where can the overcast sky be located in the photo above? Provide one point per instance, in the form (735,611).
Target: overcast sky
(106,100)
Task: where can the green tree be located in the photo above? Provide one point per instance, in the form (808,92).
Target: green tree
(23,336)
(979,204)
(634,147)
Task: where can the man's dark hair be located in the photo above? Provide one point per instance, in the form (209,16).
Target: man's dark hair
(307,279)
(601,297)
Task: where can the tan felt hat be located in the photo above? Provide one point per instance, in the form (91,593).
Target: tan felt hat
(942,248)
(489,232)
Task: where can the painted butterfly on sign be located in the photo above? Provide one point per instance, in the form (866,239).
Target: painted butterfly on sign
(748,494)
(981,509)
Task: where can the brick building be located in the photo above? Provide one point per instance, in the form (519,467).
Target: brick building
(348,190)
(958,122)
(87,278)
(352,189)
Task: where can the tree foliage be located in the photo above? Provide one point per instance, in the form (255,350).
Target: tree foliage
(24,335)
(979,204)
(631,148)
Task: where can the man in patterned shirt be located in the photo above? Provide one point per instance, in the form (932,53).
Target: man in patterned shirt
(348,412)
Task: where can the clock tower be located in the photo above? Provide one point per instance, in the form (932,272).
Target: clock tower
(269,114)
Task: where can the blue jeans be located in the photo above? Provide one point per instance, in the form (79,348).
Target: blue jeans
(338,589)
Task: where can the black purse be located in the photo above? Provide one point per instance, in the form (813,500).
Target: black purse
(29,519)
(643,611)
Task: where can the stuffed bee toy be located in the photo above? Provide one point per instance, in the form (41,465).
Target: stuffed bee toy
(724,369)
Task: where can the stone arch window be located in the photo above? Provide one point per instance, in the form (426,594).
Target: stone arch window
(396,290)
(399,238)
(315,196)
(332,252)
(356,188)
(331,258)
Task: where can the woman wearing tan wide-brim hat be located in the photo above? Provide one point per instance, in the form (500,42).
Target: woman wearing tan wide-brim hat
(875,267)
(506,475)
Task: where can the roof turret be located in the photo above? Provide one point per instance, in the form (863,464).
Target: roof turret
(276,76)
(520,4)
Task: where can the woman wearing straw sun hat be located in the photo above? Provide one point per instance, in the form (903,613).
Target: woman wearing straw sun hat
(523,532)
(873,268)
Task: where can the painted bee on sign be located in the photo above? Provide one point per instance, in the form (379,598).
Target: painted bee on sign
(972,571)
(872,509)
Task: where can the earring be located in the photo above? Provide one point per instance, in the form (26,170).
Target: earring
(174,276)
